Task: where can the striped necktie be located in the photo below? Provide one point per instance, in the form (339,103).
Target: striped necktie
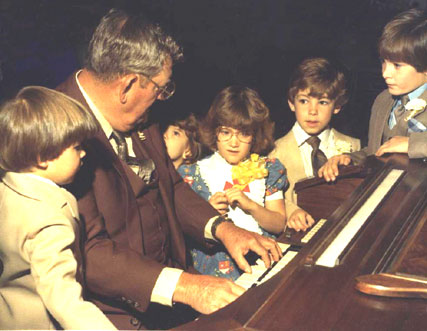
(122,148)
(318,158)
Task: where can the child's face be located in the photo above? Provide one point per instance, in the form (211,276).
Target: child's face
(402,78)
(233,145)
(313,114)
(63,169)
(177,143)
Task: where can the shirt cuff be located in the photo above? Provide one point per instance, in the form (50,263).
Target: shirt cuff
(275,196)
(208,229)
(165,286)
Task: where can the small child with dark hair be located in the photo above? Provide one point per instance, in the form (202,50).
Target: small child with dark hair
(317,91)
(236,179)
(398,122)
(182,141)
(40,149)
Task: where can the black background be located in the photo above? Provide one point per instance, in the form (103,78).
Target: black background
(256,43)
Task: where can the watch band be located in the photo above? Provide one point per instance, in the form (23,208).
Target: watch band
(218,221)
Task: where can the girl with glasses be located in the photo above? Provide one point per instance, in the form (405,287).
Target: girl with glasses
(236,179)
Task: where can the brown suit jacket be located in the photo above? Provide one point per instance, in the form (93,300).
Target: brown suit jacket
(379,119)
(118,271)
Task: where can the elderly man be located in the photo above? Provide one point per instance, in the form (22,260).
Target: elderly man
(135,206)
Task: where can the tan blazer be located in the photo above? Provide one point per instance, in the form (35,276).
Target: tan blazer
(287,151)
(38,248)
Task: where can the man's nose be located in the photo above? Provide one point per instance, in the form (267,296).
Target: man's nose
(82,153)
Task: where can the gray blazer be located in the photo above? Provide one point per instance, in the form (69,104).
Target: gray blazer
(379,119)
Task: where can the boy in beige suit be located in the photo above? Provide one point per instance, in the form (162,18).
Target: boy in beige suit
(39,247)
(316,92)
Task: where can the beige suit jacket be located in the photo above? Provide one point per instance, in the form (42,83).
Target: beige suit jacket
(287,151)
(39,249)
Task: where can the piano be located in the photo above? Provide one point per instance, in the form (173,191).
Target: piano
(363,266)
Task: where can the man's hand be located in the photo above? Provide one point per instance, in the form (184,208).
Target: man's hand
(396,144)
(206,294)
(329,170)
(300,220)
(219,202)
(239,242)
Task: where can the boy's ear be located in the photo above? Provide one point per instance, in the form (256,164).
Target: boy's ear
(125,85)
(291,105)
(42,164)
(337,110)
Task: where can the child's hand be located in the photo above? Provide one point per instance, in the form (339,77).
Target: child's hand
(396,144)
(300,220)
(236,197)
(329,170)
(220,202)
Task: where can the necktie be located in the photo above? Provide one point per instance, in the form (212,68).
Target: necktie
(400,110)
(318,158)
(143,168)
(122,148)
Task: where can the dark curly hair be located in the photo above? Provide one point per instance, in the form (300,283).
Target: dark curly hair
(240,108)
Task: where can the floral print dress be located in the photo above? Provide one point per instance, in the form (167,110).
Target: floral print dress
(214,174)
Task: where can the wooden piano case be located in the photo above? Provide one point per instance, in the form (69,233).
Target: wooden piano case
(392,242)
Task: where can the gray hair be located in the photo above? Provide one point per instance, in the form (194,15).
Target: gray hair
(124,44)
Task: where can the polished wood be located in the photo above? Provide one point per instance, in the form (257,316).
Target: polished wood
(304,296)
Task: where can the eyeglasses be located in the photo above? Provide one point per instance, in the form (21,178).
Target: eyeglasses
(163,92)
(224,134)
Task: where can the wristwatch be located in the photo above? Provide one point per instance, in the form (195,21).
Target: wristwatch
(218,221)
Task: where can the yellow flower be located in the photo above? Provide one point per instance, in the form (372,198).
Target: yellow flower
(248,170)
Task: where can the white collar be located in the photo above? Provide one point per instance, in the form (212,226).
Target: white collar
(105,125)
(301,136)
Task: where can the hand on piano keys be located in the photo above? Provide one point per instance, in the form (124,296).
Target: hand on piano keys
(240,242)
(260,273)
(300,220)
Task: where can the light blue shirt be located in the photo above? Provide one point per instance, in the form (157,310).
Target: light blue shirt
(412,95)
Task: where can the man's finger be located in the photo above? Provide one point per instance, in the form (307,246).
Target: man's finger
(243,264)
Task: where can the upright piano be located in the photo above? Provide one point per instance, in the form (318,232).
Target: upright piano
(363,266)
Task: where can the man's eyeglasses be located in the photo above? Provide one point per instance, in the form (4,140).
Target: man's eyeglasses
(163,92)
(224,134)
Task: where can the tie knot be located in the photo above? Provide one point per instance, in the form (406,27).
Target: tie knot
(404,99)
(314,142)
(118,137)
(122,151)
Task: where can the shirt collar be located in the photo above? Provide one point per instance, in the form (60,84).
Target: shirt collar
(417,92)
(105,125)
(301,136)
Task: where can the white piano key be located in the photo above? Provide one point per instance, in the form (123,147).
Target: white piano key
(313,231)
(329,257)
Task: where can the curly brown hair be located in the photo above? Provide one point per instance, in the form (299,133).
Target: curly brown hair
(243,109)
(320,77)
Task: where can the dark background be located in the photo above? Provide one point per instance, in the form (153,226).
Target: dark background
(256,43)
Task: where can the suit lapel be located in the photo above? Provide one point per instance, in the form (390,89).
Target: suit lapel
(296,165)
(383,118)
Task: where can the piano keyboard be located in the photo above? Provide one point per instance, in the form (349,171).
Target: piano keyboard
(261,274)
(313,231)
(329,257)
